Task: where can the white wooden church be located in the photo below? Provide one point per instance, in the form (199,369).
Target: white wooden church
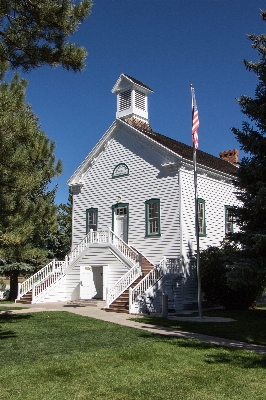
(133,216)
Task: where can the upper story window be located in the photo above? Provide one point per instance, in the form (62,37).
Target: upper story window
(152,214)
(229,219)
(120,170)
(140,100)
(91,219)
(201,217)
(124,100)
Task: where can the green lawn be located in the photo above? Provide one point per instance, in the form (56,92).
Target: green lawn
(58,355)
(249,326)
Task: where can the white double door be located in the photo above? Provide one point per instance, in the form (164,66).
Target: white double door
(93,282)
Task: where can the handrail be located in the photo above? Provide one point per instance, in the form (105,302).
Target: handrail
(122,284)
(165,266)
(55,269)
(127,251)
(49,269)
(39,288)
(91,237)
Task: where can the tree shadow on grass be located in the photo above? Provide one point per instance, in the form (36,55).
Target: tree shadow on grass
(8,317)
(248,326)
(213,354)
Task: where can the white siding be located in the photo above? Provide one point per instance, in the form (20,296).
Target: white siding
(153,173)
(147,179)
(217,194)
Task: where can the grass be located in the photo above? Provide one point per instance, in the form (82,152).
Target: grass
(59,355)
(249,326)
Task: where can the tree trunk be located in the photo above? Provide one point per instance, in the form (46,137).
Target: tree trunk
(13,285)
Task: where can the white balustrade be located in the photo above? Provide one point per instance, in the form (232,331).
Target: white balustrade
(165,266)
(51,268)
(127,251)
(123,283)
(49,274)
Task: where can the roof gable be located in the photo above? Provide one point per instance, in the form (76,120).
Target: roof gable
(125,81)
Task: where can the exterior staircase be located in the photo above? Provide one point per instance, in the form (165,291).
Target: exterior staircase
(121,304)
(26,298)
(124,296)
(32,290)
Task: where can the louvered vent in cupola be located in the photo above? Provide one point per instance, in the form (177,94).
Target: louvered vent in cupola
(124,100)
(132,98)
(140,100)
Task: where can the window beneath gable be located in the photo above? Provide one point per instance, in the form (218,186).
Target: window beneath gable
(201,217)
(91,219)
(140,100)
(152,217)
(120,170)
(229,219)
(124,100)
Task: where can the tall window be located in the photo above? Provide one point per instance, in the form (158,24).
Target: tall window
(152,213)
(229,219)
(91,219)
(201,217)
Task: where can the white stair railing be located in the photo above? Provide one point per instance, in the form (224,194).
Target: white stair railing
(122,284)
(49,269)
(53,271)
(50,272)
(127,251)
(165,266)
(91,237)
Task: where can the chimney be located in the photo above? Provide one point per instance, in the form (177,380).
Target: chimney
(230,156)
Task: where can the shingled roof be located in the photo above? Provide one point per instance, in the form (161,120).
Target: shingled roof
(182,149)
(138,82)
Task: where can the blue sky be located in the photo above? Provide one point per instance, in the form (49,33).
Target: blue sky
(166,44)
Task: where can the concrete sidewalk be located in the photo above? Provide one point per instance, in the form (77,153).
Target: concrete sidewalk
(94,310)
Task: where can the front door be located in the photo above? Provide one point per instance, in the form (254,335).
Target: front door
(121,222)
(91,282)
(85,282)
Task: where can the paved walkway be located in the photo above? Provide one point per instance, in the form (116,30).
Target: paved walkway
(94,310)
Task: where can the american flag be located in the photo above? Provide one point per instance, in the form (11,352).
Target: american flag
(195,121)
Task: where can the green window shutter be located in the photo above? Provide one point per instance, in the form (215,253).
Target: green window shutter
(152,217)
(91,219)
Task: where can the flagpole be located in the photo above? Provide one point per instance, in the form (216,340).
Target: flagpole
(196,208)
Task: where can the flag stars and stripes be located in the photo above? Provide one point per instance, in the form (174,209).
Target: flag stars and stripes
(195,120)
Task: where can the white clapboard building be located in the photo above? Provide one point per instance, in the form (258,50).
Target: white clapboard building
(134,216)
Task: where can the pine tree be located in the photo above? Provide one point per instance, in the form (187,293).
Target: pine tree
(35,32)
(59,242)
(27,165)
(251,179)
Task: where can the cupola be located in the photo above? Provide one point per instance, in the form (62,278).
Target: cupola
(132,98)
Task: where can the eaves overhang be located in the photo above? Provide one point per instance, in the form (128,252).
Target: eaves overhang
(77,178)
(180,162)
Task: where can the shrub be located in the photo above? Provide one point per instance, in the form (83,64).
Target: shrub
(227,280)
